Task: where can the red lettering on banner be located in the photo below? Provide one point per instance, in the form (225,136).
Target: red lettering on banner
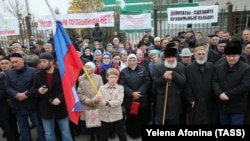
(44,23)
(7,32)
(65,22)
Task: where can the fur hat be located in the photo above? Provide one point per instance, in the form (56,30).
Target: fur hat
(232,49)
(170,52)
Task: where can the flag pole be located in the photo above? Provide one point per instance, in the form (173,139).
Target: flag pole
(91,81)
(52,12)
(85,71)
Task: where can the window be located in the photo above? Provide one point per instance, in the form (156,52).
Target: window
(174,1)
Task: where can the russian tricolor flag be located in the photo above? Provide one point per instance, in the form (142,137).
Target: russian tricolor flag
(69,64)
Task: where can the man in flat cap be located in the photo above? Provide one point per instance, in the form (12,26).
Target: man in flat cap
(231,86)
(171,74)
(199,92)
(19,85)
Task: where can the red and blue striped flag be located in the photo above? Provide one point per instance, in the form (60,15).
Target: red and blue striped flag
(69,64)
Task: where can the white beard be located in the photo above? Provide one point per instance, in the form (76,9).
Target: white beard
(170,66)
(201,62)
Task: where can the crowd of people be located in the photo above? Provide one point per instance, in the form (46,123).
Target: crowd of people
(184,79)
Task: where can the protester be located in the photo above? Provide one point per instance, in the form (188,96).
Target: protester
(135,80)
(200,96)
(110,99)
(97,34)
(169,75)
(86,94)
(231,86)
(24,104)
(48,87)
(7,119)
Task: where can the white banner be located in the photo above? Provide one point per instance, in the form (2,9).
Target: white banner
(193,15)
(9,27)
(82,20)
(135,21)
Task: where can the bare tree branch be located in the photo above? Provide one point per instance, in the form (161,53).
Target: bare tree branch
(13,7)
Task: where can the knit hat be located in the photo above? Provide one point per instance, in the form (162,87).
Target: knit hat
(91,64)
(47,56)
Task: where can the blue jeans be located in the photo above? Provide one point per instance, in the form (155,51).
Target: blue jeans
(24,127)
(231,119)
(49,127)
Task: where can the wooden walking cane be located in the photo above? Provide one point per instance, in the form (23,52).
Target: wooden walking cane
(165,101)
(191,116)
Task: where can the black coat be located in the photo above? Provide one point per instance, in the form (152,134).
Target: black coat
(5,111)
(135,81)
(174,98)
(235,83)
(47,110)
(199,90)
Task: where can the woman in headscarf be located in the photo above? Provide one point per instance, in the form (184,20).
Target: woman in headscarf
(87,54)
(106,63)
(87,95)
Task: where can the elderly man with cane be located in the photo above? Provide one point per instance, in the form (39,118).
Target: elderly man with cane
(169,78)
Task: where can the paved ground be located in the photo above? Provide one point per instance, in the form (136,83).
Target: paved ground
(81,137)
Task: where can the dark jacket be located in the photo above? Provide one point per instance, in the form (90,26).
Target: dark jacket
(4,107)
(173,109)
(17,81)
(47,110)
(199,80)
(235,83)
(97,34)
(136,80)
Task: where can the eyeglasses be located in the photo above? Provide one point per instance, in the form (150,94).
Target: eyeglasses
(106,58)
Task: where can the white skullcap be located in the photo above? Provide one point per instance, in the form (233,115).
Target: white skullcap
(131,56)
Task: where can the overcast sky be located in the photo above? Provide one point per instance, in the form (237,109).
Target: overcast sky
(39,8)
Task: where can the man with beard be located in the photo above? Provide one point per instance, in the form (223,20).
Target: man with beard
(173,73)
(199,92)
(48,87)
(231,86)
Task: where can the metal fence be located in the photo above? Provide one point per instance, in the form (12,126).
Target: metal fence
(240,20)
